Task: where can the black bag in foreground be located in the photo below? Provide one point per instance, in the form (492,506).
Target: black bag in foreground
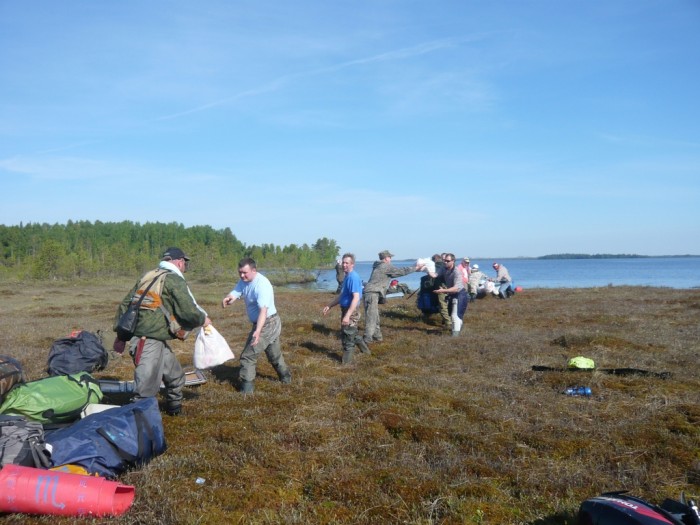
(11,373)
(82,351)
(618,508)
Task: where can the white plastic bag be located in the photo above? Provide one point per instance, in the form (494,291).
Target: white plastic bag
(210,348)
(426,265)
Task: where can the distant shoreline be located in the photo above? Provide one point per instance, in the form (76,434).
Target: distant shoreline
(583,256)
(608,256)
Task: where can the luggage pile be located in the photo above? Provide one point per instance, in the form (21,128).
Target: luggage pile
(59,457)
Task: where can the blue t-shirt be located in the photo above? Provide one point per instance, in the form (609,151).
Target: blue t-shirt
(256,294)
(352,284)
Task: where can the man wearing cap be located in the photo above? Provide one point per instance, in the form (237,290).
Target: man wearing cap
(503,280)
(476,278)
(375,292)
(396,287)
(259,297)
(168,311)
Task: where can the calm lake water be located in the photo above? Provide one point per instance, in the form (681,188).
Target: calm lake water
(672,272)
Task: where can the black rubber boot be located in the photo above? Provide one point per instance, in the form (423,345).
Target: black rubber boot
(173,409)
(363,346)
(347,356)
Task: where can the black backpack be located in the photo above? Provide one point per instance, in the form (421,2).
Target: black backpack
(618,508)
(11,373)
(81,352)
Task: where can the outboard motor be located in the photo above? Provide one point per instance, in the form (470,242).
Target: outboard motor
(617,508)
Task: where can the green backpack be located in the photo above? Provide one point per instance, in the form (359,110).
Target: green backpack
(57,399)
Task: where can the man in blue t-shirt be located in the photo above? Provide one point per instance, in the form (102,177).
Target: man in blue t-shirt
(256,291)
(349,301)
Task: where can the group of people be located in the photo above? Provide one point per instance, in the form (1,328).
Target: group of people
(352,293)
(450,286)
(479,284)
(172,312)
(446,290)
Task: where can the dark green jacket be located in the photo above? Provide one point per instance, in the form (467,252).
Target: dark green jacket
(176,300)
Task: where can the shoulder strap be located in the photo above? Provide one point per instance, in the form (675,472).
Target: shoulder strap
(138,303)
(173,325)
(40,454)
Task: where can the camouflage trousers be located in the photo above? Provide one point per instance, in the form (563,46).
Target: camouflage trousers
(268,342)
(349,334)
(156,362)
(373,332)
(444,309)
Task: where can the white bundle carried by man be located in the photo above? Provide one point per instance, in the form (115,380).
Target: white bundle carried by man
(426,265)
(210,348)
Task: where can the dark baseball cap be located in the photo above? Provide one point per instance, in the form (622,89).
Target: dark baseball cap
(175,253)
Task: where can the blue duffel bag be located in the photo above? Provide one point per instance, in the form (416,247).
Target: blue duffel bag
(110,442)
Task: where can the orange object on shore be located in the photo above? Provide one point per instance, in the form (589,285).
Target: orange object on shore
(518,288)
(36,491)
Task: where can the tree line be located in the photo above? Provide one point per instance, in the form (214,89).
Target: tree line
(83,249)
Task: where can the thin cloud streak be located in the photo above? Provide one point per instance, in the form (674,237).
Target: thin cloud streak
(474,127)
(278,83)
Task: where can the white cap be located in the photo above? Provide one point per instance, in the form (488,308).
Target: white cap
(475,267)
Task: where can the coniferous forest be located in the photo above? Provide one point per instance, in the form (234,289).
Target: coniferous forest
(83,249)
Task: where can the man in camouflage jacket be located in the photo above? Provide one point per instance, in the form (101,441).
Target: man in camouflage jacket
(169,312)
(375,291)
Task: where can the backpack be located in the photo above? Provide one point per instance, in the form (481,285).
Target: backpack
(22,442)
(148,296)
(619,508)
(110,442)
(57,399)
(427,283)
(427,302)
(11,373)
(82,351)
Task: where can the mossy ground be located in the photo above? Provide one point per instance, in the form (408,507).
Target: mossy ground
(428,429)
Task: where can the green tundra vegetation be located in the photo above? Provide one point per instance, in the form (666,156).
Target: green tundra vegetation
(83,249)
(427,430)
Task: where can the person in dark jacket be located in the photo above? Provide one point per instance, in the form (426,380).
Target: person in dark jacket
(439,282)
(169,311)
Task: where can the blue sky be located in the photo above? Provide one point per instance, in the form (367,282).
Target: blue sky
(489,129)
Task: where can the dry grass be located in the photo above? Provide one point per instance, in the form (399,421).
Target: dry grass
(428,429)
